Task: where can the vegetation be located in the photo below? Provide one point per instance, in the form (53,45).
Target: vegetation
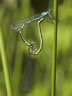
(29,75)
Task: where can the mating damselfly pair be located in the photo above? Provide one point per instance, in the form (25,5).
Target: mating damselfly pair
(39,18)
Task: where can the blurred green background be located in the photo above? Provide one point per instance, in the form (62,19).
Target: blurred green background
(31,75)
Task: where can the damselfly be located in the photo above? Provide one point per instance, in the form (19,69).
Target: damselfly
(20,25)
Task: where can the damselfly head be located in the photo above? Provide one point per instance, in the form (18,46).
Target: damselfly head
(13,26)
(51,16)
(50,11)
(17,27)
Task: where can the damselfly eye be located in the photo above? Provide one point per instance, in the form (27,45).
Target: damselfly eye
(49,11)
(51,16)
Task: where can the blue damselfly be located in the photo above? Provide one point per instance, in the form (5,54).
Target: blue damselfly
(39,18)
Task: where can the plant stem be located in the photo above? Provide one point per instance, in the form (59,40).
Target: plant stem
(17,70)
(54,52)
(4,64)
